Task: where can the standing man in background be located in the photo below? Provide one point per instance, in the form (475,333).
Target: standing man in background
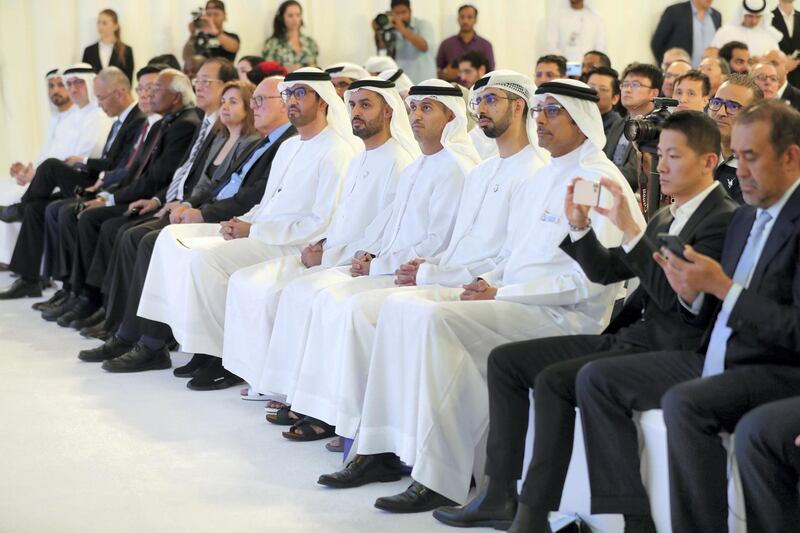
(574,30)
(412,40)
(454,48)
(207,37)
(786,19)
(688,25)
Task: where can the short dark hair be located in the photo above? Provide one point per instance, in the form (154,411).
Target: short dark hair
(695,75)
(470,6)
(702,133)
(645,70)
(227,72)
(611,73)
(476,59)
(253,60)
(560,61)
(150,68)
(784,122)
(216,4)
(726,52)
(167,59)
(604,59)
(745,80)
(406,3)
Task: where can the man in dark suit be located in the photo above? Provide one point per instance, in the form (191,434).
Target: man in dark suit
(678,26)
(783,17)
(163,151)
(114,95)
(750,354)
(136,245)
(649,320)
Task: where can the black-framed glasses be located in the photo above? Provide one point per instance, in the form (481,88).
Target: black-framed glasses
(299,93)
(634,85)
(549,110)
(258,101)
(490,100)
(731,107)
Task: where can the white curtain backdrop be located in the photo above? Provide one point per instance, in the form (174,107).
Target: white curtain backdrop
(38,35)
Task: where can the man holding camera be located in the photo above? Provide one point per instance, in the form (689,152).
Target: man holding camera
(409,40)
(206,36)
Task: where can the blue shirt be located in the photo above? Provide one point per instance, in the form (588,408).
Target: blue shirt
(418,65)
(702,34)
(232,187)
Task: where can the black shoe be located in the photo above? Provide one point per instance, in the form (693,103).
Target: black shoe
(51,314)
(83,309)
(139,359)
(112,348)
(526,520)
(190,369)
(213,377)
(22,289)
(11,213)
(365,469)
(98,317)
(98,331)
(417,498)
(477,513)
(59,297)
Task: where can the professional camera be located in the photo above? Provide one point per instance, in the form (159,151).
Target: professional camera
(384,21)
(196,17)
(645,131)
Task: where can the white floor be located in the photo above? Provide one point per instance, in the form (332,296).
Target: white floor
(85,450)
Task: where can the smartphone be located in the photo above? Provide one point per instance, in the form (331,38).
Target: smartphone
(587,193)
(574,70)
(672,243)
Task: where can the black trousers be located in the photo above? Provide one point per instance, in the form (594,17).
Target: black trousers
(119,284)
(52,173)
(67,242)
(769,464)
(27,257)
(90,224)
(548,366)
(695,412)
(52,237)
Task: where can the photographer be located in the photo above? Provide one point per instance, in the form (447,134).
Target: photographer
(407,39)
(206,36)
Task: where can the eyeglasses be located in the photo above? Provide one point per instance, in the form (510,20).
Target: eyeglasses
(144,89)
(731,107)
(75,82)
(634,85)
(299,93)
(490,100)
(102,98)
(600,88)
(258,101)
(764,77)
(550,110)
(203,83)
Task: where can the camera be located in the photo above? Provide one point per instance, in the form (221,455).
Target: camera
(645,131)
(384,21)
(196,17)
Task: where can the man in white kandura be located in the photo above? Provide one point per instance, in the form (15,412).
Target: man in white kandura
(418,224)
(379,118)
(333,375)
(426,397)
(192,263)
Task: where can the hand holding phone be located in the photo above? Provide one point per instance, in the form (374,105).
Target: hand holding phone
(672,243)
(586,193)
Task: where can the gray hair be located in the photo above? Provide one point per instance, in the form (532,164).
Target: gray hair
(181,84)
(114,77)
(681,52)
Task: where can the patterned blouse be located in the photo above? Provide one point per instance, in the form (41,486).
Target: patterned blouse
(281,51)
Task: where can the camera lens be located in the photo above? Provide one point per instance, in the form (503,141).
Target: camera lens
(382,20)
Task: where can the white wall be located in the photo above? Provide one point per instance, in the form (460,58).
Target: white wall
(38,35)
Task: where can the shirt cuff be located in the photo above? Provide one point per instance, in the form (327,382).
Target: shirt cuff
(695,306)
(157,200)
(575,236)
(108,197)
(631,244)
(731,298)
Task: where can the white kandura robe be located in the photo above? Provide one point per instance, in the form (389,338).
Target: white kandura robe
(485,146)
(187,290)
(419,224)
(426,396)
(333,376)
(759,40)
(253,292)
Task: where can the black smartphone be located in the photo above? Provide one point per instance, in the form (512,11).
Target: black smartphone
(672,243)
(132,212)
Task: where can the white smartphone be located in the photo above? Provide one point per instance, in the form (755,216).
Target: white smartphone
(591,193)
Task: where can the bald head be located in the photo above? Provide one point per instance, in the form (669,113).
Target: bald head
(778,60)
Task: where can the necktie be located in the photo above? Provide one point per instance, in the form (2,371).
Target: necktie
(111,136)
(139,144)
(179,178)
(227,189)
(715,354)
(149,149)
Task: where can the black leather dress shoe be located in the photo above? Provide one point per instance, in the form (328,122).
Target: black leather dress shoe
(95,318)
(365,469)
(59,297)
(98,331)
(113,347)
(526,521)
(84,309)
(417,498)
(139,359)
(51,314)
(198,361)
(22,289)
(477,513)
(11,213)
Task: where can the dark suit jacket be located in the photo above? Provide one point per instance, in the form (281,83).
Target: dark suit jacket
(251,189)
(726,176)
(788,44)
(676,29)
(91,55)
(792,95)
(630,165)
(197,167)
(166,156)
(122,147)
(765,321)
(652,317)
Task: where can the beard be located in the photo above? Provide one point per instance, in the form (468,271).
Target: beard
(369,128)
(59,100)
(303,118)
(498,127)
